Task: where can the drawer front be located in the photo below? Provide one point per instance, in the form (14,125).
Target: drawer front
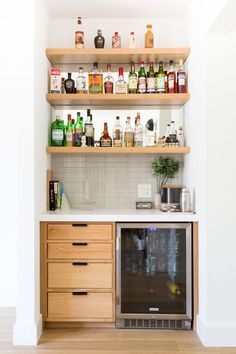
(79,231)
(92,306)
(80,250)
(80,275)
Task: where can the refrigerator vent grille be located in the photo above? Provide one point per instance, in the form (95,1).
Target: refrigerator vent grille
(152,323)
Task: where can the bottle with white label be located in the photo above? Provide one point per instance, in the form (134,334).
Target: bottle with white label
(138,132)
(117,133)
(142,81)
(132,40)
(172,134)
(151,79)
(57,132)
(81,82)
(160,79)
(181,136)
(69,132)
(181,78)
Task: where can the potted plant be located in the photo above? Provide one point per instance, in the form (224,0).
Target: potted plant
(163,169)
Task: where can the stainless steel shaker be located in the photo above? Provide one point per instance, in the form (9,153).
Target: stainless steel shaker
(185,200)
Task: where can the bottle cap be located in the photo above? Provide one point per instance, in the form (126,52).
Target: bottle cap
(132,33)
(171,62)
(149,26)
(73,121)
(99,31)
(79,20)
(160,62)
(81,68)
(95,64)
(121,71)
(69,116)
(151,63)
(116,33)
(108,66)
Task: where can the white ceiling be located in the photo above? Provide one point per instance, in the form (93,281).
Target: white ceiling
(117,8)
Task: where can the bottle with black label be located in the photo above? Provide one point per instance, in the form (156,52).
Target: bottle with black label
(69,84)
(89,129)
(99,40)
(172,134)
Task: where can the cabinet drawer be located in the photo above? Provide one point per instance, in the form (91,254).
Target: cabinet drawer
(80,250)
(79,231)
(80,275)
(81,306)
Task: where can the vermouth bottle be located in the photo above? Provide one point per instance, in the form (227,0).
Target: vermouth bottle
(171,78)
(181,78)
(142,79)
(133,80)
(151,79)
(160,79)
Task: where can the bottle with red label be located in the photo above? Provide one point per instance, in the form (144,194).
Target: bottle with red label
(79,35)
(151,84)
(116,41)
(142,80)
(181,78)
(108,81)
(171,78)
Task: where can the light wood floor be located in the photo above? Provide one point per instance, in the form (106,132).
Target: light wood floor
(105,341)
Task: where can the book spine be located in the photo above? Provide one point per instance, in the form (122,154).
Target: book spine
(51,196)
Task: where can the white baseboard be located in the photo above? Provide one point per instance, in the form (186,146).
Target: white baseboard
(216,335)
(27,333)
(7,299)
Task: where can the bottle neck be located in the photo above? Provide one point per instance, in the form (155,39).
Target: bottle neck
(105,130)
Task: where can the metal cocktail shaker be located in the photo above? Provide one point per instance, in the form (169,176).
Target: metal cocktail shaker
(185,201)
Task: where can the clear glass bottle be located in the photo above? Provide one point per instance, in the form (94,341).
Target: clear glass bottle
(181,78)
(95,79)
(89,130)
(116,41)
(79,35)
(151,86)
(62,85)
(117,133)
(121,86)
(172,134)
(171,78)
(138,132)
(69,132)
(69,84)
(108,81)
(128,134)
(149,38)
(181,136)
(167,136)
(132,40)
(142,82)
(105,140)
(99,40)
(81,82)
(160,79)
(133,80)
(78,130)
(57,132)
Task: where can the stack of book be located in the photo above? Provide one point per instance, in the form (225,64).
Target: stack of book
(55,195)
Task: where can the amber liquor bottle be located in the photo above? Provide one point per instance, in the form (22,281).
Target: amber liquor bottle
(105,140)
(108,81)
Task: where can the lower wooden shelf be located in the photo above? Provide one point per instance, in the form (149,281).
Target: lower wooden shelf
(119,150)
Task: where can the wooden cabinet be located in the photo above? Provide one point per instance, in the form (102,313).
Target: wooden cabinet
(77,272)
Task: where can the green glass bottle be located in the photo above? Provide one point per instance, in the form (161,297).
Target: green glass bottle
(69,132)
(78,130)
(57,132)
(151,79)
(133,80)
(142,79)
(160,79)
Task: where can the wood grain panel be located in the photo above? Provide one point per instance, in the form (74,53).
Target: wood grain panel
(84,251)
(80,231)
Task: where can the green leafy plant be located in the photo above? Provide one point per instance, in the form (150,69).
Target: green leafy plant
(164,169)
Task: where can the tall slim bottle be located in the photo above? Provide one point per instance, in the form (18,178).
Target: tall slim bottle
(133,80)
(79,35)
(142,79)
(160,79)
(181,78)
(69,132)
(78,130)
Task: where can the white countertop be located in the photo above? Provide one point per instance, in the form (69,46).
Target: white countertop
(117,215)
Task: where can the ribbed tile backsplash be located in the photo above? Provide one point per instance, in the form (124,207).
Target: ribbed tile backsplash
(108,181)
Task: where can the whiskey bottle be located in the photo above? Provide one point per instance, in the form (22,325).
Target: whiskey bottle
(108,81)
(121,87)
(160,79)
(81,82)
(171,78)
(128,134)
(105,140)
(89,133)
(149,40)
(138,132)
(117,133)
(133,80)
(181,78)
(78,130)
(57,132)
(79,35)
(99,40)
(142,79)
(95,79)
(151,79)
(69,84)
(69,132)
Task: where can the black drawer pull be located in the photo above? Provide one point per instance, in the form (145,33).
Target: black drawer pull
(79,244)
(79,293)
(79,225)
(79,263)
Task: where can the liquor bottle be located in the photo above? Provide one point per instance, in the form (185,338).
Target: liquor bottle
(181,78)
(81,82)
(73,131)
(138,132)
(69,84)
(95,79)
(57,132)
(132,40)
(160,79)
(165,80)
(117,133)
(171,78)
(121,86)
(91,119)
(133,80)
(78,130)
(69,132)
(172,134)
(116,41)
(62,85)
(142,79)
(151,87)
(89,129)
(108,81)
(181,136)
(167,136)
(105,140)
(128,134)
(149,40)
(79,35)
(99,40)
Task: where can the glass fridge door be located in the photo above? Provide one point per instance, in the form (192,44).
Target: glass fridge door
(154,270)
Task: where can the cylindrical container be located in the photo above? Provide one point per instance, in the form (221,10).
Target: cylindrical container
(185,200)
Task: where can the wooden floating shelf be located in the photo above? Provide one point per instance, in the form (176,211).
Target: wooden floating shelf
(118,150)
(115,56)
(165,100)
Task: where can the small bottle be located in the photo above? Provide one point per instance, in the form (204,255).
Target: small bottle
(133,80)
(181,136)
(73,131)
(167,136)
(181,78)
(117,133)
(142,79)
(151,86)
(149,39)
(128,134)
(57,132)
(105,140)
(69,84)
(81,82)
(99,40)
(138,132)
(78,131)
(95,79)
(69,132)
(108,81)
(160,79)
(121,86)
(172,134)
(171,78)
(116,41)
(62,85)
(89,129)
(132,40)
(79,35)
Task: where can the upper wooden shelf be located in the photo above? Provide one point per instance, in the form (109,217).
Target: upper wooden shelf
(115,56)
(165,100)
